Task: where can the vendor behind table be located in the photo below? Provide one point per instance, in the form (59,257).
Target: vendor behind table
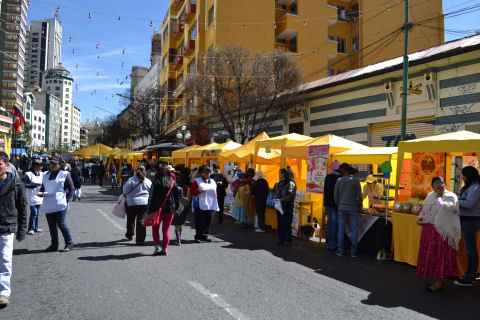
(371,190)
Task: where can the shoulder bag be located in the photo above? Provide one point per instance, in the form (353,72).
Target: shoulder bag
(153,218)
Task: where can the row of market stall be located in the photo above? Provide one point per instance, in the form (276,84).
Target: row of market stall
(405,171)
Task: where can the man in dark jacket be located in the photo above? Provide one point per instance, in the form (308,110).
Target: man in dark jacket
(260,191)
(101,170)
(222,185)
(331,207)
(13,219)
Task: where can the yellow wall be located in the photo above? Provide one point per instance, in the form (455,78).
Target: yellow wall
(312,25)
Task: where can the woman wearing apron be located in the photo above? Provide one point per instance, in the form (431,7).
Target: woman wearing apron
(58,191)
(33,182)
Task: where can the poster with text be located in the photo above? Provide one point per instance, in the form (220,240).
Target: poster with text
(425,167)
(317,164)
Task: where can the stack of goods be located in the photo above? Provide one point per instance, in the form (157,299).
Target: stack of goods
(408,208)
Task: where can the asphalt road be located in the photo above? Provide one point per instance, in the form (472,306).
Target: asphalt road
(240,275)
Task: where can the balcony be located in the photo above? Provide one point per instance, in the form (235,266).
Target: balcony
(177,62)
(176,4)
(179,90)
(331,49)
(190,46)
(190,12)
(179,31)
(285,29)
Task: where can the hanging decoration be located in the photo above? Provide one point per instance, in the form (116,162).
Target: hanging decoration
(244,27)
(123,52)
(96,47)
(151,23)
(70,39)
(304,23)
(73,50)
(89,15)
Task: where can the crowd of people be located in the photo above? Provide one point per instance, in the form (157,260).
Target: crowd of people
(169,195)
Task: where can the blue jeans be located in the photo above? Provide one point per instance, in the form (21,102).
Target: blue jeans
(470,229)
(33,220)
(332,227)
(113,180)
(342,221)
(57,219)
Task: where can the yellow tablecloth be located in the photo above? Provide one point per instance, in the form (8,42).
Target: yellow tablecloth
(271,218)
(406,241)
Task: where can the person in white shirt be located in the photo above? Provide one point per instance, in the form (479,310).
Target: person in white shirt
(204,189)
(33,182)
(371,190)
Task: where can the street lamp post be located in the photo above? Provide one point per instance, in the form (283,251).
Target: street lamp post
(183,134)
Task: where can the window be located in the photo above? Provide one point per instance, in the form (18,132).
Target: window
(191,67)
(355,43)
(67,89)
(341,45)
(43,121)
(67,102)
(34,118)
(65,140)
(295,128)
(34,127)
(67,96)
(65,82)
(54,81)
(34,136)
(66,127)
(48,88)
(193,32)
(330,38)
(165,61)
(35,39)
(57,88)
(331,72)
(211,16)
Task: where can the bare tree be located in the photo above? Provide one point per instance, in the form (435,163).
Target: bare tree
(244,94)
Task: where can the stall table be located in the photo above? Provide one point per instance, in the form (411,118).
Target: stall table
(406,241)
(271,218)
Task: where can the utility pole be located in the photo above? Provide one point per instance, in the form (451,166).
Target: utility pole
(405,76)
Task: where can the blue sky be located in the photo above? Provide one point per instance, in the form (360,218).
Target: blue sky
(98,73)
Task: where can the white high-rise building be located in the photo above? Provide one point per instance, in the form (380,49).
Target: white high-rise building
(59,83)
(44,50)
(38,129)
(76,125)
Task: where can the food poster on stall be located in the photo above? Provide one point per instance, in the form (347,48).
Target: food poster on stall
(425,167)
(317,163)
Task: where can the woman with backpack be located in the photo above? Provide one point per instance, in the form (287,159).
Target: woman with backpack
(137,190)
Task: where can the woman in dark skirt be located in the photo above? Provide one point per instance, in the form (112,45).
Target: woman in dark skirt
(440,221)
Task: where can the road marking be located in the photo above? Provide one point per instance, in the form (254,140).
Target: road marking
(219,301)
(106,216)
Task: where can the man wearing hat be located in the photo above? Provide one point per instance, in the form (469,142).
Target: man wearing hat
(222,185)
(204,189)
(33,181)
(260,191)
(371,190)
(58,190)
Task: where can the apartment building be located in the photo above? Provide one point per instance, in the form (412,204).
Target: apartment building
(326,37)
(50,106)
(44,50)
(59,83)
(12,52)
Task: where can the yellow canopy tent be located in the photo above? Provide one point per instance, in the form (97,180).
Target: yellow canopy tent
(194,155)
(113,152)
(212,153)
(244,153)
(93,151)
(454,143)
(269,159)
(296,155)
(180,156)
(375,155)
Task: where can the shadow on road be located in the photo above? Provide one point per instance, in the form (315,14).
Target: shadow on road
(390,284)
(114,257)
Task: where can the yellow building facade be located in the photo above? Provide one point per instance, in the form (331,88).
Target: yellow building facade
(326,36)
